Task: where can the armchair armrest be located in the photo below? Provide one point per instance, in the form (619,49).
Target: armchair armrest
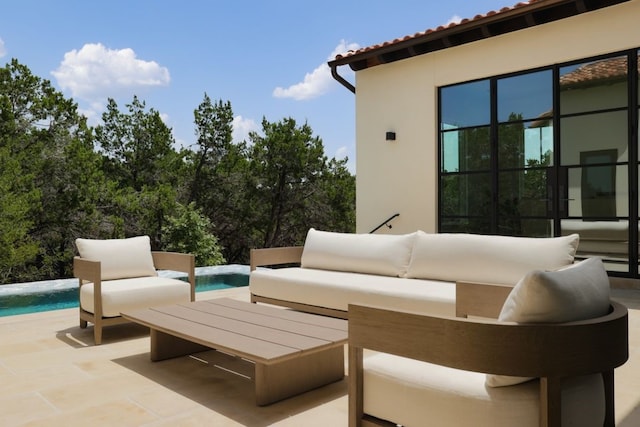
(480,299)
(86,270)
(275,256)
(89,271)
(178,262)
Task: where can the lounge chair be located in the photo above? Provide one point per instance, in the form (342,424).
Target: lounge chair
(548,360)
(118,275)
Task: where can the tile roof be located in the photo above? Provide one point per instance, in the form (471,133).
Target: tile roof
(519,16)
(439,28)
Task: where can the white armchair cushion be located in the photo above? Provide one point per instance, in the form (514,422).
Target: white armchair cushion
(119,258)
(414,393)
(135,293)
(382,254)
(579,292)
(490,259)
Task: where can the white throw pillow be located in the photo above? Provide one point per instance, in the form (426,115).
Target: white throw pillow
(487,258)
(382,254)
(119,258)
(579,292)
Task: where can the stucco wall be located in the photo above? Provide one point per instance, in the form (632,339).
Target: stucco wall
(401,176)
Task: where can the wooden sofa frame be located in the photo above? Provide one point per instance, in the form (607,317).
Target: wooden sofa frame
(87,271)
(485,345)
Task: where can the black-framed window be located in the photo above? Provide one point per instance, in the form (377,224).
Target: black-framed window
(545,152)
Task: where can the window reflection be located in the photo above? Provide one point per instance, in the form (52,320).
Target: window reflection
(595,85)
(465,105)
(527,96)
(525,144)
(466,150)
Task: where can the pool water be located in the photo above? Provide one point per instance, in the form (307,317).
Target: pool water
(55,297)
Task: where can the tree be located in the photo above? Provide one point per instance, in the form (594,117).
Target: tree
(285,166)
(38,130)
(188,231)
(142,168)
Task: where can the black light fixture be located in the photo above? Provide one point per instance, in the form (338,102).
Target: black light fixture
(390,136)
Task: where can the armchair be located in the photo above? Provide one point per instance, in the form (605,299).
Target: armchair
(447,371)
(117,275)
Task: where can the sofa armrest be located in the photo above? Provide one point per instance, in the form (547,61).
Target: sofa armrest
(276,256)
(549,351)
(177,262)
(480,299)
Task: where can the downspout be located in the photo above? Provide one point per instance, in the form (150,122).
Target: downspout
(340,79)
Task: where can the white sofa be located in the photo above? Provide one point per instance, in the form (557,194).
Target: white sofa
(404,296)
(415,271)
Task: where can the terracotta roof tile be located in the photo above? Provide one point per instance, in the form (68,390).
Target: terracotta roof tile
(596,72)
(439,28)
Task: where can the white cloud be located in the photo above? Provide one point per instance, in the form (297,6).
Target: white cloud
(241,128)
(3,50)
(317,82)
(95,72)
(342,152)
(455,19)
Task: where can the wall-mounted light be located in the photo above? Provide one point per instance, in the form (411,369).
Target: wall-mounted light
(390,136)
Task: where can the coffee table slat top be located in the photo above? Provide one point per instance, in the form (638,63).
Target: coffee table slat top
(327,322)
(244,329)
(292,326)
(248,327)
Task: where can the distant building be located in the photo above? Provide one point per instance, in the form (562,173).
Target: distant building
(522,121)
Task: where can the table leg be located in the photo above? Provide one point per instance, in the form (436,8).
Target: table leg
(278,381)
(165,346)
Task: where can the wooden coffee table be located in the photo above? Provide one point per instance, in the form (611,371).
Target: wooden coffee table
(293,352)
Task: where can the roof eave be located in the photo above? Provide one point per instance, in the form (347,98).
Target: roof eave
(493,24)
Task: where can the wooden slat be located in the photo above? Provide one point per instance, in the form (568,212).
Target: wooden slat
(240,345)
(327,322)
(273,322)
(251,329)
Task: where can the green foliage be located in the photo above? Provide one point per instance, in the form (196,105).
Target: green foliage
(61,179)
(188,231)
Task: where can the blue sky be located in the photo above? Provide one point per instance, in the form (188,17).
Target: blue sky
(268,58)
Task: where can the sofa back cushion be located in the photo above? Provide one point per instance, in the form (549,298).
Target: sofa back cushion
(119,258)
(579,292)
(382,254)
(489,259)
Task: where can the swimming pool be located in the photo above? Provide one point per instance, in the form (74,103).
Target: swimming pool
(23,298)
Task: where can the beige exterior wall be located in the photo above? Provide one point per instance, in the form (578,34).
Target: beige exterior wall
(401,176)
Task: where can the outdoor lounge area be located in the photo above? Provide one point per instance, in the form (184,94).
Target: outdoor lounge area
(52,374)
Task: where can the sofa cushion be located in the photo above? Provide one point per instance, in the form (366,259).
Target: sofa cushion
(132,294)
(489,259)
(579,292)
(408,392)
(119,258)
(337,289)
(382,254)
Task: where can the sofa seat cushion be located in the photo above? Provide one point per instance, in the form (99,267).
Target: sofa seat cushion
(488,259)
(336,290)
(383,254)
(132,294)
(408,392)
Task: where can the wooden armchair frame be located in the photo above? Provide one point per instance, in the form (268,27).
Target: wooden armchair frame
(548,351)
(87,271)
